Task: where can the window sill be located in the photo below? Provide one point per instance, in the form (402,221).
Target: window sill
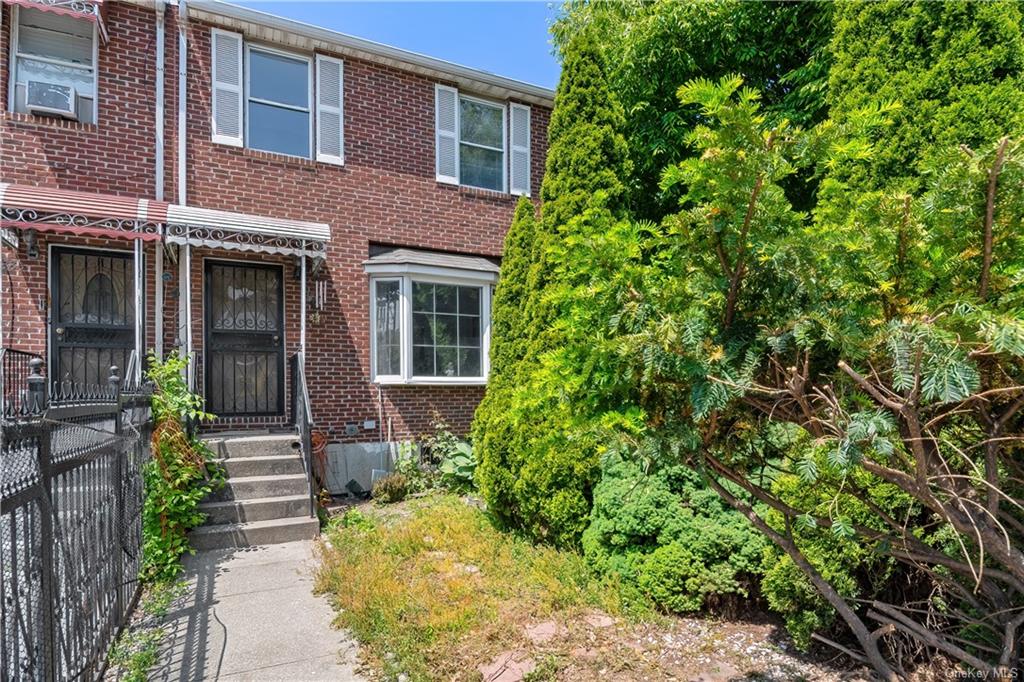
(478,193)
(429,382)
(49,121)
(274,157)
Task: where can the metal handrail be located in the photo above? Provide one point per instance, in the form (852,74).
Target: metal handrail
(303,416)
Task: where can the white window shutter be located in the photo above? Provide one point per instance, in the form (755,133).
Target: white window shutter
(227,87)
(330,118)
(519,138)
(446,123)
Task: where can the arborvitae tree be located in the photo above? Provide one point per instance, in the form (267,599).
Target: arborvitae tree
(509,339)
(538,463)
(957,69)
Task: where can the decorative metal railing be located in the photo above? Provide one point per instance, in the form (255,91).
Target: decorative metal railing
(15,368)
(71,492)
(303,418)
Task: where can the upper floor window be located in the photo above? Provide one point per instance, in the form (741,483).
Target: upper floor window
(279,118)
(276,101)
(54,65)
(481,143)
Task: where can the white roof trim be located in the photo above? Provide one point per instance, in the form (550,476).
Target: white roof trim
(306,36)
(243,222)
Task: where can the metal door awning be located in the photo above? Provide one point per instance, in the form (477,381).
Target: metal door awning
(90,10)
(105,215)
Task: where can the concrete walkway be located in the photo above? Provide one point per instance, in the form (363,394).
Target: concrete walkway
(251,615)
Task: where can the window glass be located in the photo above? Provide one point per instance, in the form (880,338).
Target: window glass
(446,336)
(388,318)
(64,46)
(481,167)
(278,104)
(481,148)
(480,123)
(279,79)
(274,129)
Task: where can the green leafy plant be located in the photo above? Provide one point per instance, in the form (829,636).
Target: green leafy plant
(180,474)
(458,468)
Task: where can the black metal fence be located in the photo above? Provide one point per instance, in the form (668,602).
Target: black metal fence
(70,529)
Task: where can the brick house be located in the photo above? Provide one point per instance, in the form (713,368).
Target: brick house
(256,192)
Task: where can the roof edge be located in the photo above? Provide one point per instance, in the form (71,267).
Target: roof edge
(374,51)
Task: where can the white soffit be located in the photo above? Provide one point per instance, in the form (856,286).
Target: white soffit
(302,36)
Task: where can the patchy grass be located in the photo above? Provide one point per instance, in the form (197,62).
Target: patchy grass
(432,589)
(136,650)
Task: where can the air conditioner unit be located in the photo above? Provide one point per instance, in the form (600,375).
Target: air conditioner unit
(51,98)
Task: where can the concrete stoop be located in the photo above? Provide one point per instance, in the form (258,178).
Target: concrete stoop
(265,499)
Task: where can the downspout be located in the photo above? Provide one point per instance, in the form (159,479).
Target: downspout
(185,261)
(160,7)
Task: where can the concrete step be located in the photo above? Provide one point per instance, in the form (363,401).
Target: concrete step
(272,465)
(262,445)
(252,533)
(257,509)
(252,487)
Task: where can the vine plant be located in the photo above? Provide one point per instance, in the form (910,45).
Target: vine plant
(180,474)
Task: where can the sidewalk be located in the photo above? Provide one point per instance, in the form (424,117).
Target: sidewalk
(251,615)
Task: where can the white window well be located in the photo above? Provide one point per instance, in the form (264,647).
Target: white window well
(430,317)
(53,65)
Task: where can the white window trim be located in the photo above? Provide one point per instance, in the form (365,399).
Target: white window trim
(406,274)
(504,140)
(310,94)
(12,64)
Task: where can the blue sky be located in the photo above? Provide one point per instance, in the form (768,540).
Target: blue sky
(507,38)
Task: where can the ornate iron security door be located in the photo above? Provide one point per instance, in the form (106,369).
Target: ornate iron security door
(92,319)
(244,339)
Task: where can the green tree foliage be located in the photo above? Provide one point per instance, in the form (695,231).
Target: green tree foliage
(911,375)
(653,47)
(665,531)
(538,455)
(956,67)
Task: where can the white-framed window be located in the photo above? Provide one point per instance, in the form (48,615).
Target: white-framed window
(481,144)
(429,328)
(273,100)
(53,65)
(279,92)
(473,140)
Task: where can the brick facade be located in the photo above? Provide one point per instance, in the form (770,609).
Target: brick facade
(386,193)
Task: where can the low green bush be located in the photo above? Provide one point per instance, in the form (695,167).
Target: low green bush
(856,569)
(667,533)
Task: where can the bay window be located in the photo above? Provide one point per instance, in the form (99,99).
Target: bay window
(429,327)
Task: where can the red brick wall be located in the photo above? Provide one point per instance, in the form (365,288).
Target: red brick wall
(385,194)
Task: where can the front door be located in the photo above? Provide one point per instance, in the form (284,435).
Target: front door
(92,317)
(244,339)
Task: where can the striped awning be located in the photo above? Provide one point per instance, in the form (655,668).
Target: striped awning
(90,10)
(106,215)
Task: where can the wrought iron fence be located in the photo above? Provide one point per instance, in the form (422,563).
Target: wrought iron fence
(15,368)
(70,530)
